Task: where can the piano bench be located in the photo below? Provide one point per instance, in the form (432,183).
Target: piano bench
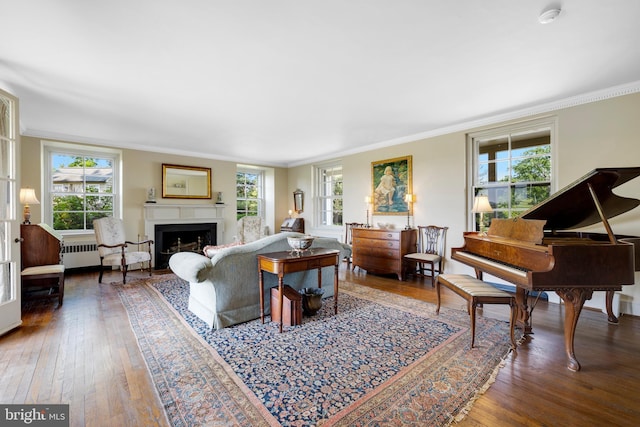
(477,292)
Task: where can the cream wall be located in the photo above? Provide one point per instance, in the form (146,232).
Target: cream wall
(598,134)
(142,169)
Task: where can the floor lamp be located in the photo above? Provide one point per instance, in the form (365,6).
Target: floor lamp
(481,205)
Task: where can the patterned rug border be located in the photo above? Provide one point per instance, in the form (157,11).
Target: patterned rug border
(244,405)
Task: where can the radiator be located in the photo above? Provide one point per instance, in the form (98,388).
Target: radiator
(80,254)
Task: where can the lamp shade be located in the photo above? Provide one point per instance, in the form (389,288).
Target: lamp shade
(408,198)
(367,199)
(481,205)
(28,197)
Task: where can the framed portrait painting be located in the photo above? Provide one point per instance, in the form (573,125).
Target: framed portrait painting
(390,181)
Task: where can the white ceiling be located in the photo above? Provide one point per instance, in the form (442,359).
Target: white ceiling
(282,82)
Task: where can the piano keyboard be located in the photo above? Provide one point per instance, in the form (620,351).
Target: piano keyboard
(486,261)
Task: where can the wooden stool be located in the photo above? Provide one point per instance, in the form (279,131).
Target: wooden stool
(291,306)
(476,292)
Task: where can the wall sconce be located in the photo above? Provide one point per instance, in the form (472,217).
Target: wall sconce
(481,205)
(298,201)
(408,198)
(367,201)
(27,197)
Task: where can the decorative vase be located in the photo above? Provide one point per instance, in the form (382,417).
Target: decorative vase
(311,300)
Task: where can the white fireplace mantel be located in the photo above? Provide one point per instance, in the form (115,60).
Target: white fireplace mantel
(160,214)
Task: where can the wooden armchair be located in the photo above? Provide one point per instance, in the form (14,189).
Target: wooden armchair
(114,249)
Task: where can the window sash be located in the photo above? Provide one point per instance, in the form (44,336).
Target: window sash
(513,166)
(248,184)
(89,193)
(329,207)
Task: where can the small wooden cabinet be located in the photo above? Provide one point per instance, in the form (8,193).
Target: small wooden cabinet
(381,251)
(42,271)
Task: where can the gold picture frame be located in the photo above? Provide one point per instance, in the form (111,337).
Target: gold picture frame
(391,180)
(185,182)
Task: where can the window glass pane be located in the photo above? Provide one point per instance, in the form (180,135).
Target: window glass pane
(80,184)
(532,169)
(5,158)
(4,241)
(527,196)
(6,111)
(5,199)
(6,290)
(248,193)
(329,210)
(68,220)
(91,216)
(494,149)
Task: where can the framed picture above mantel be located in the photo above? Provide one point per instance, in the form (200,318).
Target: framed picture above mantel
(391,180)
(185,182)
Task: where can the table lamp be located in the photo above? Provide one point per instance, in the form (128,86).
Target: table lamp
(367,201)
(408,198)
(481,205)
(27,197)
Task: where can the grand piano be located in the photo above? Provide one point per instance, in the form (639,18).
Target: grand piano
(537,253)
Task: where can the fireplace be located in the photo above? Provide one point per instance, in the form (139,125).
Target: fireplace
(156,214)
(173,238)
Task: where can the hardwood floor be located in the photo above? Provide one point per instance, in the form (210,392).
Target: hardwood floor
(85,354)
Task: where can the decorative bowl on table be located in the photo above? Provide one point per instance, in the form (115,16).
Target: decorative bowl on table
(301,243)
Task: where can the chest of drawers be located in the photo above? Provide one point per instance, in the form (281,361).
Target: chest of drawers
(381,251)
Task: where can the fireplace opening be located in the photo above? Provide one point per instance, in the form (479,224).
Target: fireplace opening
(174,238)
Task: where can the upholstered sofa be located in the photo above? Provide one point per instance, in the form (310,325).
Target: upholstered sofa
(224,290)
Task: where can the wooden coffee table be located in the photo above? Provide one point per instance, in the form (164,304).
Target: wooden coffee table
(281,263)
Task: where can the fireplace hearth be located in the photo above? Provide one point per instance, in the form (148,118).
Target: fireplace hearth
(174,238)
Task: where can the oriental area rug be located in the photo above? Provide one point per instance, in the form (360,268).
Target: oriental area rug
(382,360)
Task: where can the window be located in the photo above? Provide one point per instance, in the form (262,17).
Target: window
(82,185)
(512,166)
(329,179)
(249,192)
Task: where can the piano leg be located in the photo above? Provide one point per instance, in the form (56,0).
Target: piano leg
(574,299)
(611,317)
(523,312)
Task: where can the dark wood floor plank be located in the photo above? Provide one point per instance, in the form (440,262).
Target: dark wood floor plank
(85,354)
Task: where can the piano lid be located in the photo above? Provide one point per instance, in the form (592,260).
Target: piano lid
(573,206)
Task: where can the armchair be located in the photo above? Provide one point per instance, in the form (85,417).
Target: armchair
(250,229)
(113,248)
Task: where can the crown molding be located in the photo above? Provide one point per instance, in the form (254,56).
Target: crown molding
(586,98)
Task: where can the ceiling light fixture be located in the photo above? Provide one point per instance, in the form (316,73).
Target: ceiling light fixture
(548,16)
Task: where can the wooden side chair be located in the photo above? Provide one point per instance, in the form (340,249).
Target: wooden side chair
(114,249)
(348,240)
(431,246)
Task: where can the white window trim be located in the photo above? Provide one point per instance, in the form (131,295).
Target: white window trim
(472,153)
(49,147)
